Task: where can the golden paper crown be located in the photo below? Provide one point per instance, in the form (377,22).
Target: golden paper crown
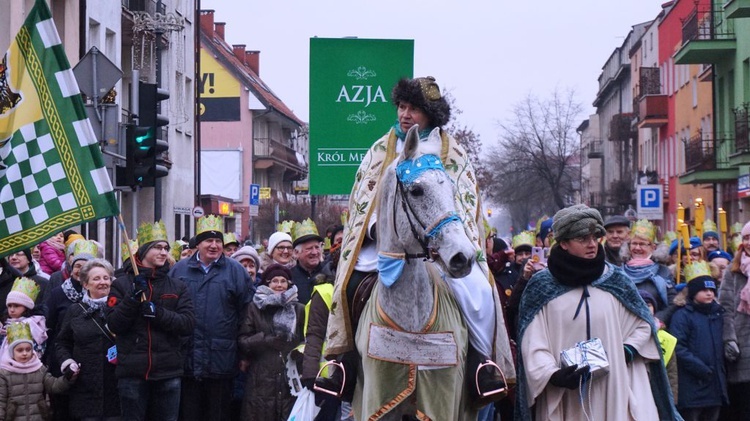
(645,229)
(208,223)
(736,228)
(525,238)
(127,250)
(304,228)
(85,247)
(26,287)
(326,243)
(709,225)
(19,331)
(285,226)
(669,236)
(697,269)
(229,237)
(175,249)
(150,232)
(344,216)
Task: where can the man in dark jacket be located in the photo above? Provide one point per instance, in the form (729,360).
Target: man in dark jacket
(150,313)
(220,289)
(308,250)
(618,232)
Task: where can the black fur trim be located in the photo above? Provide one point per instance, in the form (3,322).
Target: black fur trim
(409,90)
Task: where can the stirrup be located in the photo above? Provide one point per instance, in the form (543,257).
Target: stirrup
(335,393)
(494,391)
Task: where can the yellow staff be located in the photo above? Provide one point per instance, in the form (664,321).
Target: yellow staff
(700,216)
(723,227)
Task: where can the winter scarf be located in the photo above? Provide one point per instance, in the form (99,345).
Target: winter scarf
(71,290)
(402,134)
(8,363)
(649,272)
(744,305)
(94,303)
(285,317)
(575,271)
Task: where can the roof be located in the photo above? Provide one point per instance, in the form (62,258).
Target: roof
(225,55)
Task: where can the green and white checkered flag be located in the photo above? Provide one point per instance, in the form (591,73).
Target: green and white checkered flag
(52,175)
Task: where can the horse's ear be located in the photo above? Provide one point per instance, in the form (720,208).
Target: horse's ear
(435,136)
(411,142)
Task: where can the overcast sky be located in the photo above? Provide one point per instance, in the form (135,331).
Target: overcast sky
(489,53)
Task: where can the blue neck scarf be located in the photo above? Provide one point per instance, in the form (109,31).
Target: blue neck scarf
(641,274)
(402,134)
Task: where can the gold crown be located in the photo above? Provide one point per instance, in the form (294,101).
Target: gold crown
(344,216)
(85,247)
(429,87)
(736,228)
(229,237)
(525,238)
(539,224)
(26,287)
(150,232)
(127,250)
(645,229)
(18,331)
(669,236)
(301,229)
(285,226)
(709,225)
(175,249)
(697,269)
(208,223)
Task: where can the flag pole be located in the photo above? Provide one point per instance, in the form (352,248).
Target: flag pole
(132,259)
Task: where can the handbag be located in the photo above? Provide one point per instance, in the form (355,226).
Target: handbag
(589,352)
(304,408)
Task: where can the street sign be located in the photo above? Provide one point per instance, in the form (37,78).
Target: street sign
(265,192)
(254,194)
(254,210)
(650,202)
(198,212)
(95,63)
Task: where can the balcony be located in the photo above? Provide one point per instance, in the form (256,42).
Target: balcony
(652,111)
(707,37)
(741,154)
(270,154)
(706,160)
(737,9)
(621,128)
(595,149)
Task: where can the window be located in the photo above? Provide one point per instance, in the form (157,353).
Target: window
(694,86)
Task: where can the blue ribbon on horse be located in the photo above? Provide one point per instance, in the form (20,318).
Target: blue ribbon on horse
(390,267)
(435,230)
(408,170)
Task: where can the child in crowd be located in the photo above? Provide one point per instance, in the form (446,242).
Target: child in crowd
(700,351)
(52,253)
(19,305)
(667,342)
(24,380)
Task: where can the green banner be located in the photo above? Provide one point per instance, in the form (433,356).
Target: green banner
(350,104)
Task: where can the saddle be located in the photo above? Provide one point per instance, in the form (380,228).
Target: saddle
(361,296)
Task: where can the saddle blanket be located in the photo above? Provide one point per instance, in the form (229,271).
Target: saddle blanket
(423,349)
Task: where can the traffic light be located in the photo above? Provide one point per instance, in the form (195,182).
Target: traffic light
(489,213)
(144,143)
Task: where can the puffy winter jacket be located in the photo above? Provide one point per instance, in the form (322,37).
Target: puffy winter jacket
(22,396)
(51,259)
(150,348)
(219,300)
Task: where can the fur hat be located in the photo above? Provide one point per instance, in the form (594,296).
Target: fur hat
(577,221)
(423,93)
(276,270)
(275,239)
(246,252)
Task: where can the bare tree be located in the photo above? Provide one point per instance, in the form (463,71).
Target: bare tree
(465,137)
(532,167)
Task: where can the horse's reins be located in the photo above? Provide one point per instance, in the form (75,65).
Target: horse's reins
(430,231)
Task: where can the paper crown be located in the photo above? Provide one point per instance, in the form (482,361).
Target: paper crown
(709,225)
(230,238)
(285,226)
(301,230)
(697,269)
(669,236)
(19,331)
(85,247)
(344,216)
(26,287)
(127,250)
(150,232)
(175,249)
(736,228)
(644,229)
(208,223)
(525,238)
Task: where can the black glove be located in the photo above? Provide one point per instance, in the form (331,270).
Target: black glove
(68,373)
(568,377)
(630,353)
(140,286)
(148,309)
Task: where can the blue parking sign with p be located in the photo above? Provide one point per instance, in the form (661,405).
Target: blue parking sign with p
(650,202)
(255,194)
(650,198)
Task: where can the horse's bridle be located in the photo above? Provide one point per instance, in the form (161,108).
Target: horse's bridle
(432,230)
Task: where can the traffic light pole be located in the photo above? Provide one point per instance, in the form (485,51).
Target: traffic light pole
(157,182)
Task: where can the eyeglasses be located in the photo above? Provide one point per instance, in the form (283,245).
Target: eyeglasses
(641,245)
(161,248)
(586,239)
(283,248)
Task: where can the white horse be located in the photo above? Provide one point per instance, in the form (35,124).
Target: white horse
(411,335)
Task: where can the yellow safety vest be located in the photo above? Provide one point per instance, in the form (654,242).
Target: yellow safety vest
(326,293)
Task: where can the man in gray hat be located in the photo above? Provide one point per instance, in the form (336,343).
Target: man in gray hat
(618,231)
(580,297)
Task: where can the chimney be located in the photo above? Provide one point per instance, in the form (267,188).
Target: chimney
(207,20)
(252,60)
(239,52)
(219,29)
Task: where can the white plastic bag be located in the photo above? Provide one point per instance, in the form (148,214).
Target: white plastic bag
(304,408)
